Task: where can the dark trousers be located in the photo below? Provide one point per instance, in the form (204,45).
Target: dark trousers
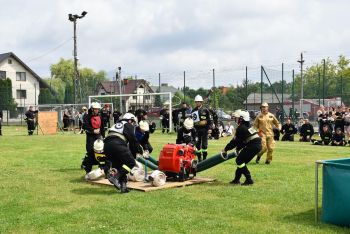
(165,125)
(305,138)
(65,124)
(31,126)
(0,129)
(119,155)
(202,143)
(288,137)
(90,159)
(148,146)
(245,156)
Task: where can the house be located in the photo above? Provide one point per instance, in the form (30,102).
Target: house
(26,83)
(164,88)
(129,86)
(254,100)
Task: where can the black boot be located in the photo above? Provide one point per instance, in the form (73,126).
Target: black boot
(236,180)
(257,159)
(113,177)
(205,154)
(0,133)
(248,178)
(86,164)
(199,156)
(123,186)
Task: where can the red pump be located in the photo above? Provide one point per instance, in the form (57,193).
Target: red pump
(178,161)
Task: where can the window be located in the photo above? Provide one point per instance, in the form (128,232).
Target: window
(9,61)
(103,93)
(21,94)
(2,75)
(20,76)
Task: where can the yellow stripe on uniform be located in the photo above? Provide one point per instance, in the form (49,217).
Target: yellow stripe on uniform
(241,166)
(126,168)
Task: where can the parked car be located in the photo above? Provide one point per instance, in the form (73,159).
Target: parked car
(222,115)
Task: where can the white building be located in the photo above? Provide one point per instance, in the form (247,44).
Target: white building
(26,83)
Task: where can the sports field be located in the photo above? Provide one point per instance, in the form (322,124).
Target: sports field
(42,190)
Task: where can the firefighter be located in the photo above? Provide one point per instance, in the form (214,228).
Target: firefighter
(94,129)
(183,111)
(30,118)
(338,138)
(106,116)
(0,122)
(248,143)
(117,147)
(164,115)
(81,119)
(141,114)
(116,116)
(65,120)
(306,131)
(187,133)
(100,156)
(326,136)
(265,122)
(201,119)
(288,129)
(142,136)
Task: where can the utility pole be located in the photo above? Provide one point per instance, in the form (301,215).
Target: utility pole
(119,72)
(301,61)
(324,79)
(214,96)
(246,88)
(73,18)
(184,91)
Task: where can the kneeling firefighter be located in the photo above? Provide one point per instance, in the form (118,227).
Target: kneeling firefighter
(248,143)
(117,147)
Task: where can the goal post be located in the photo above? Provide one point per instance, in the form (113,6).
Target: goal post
(129,100)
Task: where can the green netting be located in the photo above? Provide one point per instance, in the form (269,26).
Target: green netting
(336,192)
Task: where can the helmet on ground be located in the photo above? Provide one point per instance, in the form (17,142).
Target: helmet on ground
(95,174)
(95,105)
(244,115)
(98,146)
(129,116)
(198,98)
(144,126)
(188,123)
(264,104)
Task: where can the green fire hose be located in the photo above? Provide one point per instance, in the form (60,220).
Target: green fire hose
(147,163)
(214,160)
(152,160)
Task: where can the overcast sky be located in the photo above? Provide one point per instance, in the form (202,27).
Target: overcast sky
(169,36)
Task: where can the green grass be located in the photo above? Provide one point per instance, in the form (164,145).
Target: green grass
(42,190)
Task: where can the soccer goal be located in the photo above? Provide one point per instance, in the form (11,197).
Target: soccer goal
(152,103)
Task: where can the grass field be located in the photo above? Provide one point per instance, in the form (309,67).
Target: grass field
(42,190)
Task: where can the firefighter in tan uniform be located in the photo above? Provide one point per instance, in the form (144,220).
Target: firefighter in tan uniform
(264,122)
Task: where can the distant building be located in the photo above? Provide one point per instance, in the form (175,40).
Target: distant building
(254,100)
(26,83)
(129,87)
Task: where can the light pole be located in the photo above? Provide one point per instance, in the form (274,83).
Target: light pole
(301,61)
(73,18)
(119,75)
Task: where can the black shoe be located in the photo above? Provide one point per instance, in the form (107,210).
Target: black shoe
(113,178)
(123,187)
(257,159)
(267,162)
(248,182)
(235,182)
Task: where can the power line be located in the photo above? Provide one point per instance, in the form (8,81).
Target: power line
(50,51)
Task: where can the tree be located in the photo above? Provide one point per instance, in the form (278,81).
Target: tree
(6,100)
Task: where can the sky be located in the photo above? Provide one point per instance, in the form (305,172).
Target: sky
(169,37)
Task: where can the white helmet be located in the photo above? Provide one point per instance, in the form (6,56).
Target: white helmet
(144,125)
(129,116)
(198,98)
(166,103)
(98,146)
(188,123)
(237,113)
(244,115)
(158,178)
(95,105)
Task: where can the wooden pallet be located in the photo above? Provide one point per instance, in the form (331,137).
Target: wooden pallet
(147,187)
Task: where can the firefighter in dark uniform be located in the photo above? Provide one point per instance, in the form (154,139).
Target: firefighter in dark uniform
(65,120)
(116,116)
(142,136)
(248,143)
(288,129)
(118,144)
(106,116)
(306,131)
(0,122)
(201,119)
(176,120)
(183,110)
(30,118)
(187,133)
(94,129)
(164,114)
(141,114)
(326,136)
(338,138)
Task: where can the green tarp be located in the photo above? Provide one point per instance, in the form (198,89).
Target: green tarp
(336,192)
